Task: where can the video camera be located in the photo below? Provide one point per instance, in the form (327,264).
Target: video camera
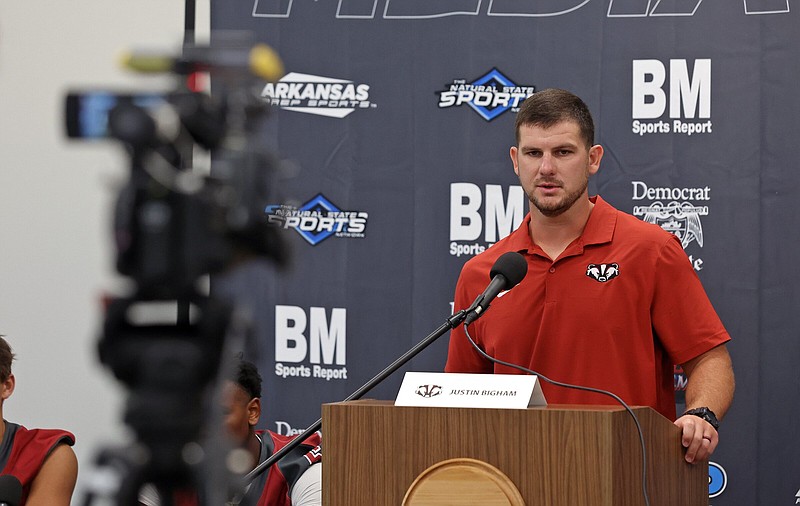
(172,225)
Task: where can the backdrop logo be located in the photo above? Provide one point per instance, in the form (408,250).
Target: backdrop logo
(688,104)
(428,391)
(414,9)
(678,216)
(323,96)
(717,479)
(679,381)
(310,345)
(284,429)
(679,378)
(471,231)
(489,95)
(318,219)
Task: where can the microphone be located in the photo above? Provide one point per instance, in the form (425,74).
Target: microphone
(260,60)
(10,490)
(506,273)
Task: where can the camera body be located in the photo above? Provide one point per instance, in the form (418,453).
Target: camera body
(171,224)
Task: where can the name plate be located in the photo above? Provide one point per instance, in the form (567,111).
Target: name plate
(458,390)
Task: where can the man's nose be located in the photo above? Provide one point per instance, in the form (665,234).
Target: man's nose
(548,164)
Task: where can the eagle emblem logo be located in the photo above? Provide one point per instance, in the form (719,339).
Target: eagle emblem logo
(681,219)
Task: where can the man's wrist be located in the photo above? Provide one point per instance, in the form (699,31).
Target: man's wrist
(706,414)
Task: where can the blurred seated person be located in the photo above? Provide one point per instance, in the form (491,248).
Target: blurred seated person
(41,459)
(295,480)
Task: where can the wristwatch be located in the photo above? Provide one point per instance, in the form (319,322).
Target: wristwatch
(706,414)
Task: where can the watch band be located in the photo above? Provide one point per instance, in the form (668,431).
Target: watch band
(706,414)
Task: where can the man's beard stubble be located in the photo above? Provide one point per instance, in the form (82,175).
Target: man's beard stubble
(557,208)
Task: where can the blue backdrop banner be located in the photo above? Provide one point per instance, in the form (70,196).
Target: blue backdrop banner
(394,121)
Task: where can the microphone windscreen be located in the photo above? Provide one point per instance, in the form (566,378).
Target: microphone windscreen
(512,266)
(10,490)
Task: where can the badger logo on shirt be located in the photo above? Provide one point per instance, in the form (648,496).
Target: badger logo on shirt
(602,272)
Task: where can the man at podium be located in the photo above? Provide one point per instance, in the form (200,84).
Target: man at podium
(609,302)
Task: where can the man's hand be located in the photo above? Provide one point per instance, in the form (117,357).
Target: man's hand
(698,437)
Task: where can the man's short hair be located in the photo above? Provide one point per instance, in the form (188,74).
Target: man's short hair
(6,357)
(247,377)
(549,107)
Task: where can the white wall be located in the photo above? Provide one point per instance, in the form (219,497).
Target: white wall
(56,254)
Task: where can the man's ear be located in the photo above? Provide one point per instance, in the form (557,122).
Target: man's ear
(512,152)
(253,411)
(595,155)
(7,387)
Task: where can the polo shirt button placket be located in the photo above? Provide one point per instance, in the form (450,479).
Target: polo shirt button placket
(552,270)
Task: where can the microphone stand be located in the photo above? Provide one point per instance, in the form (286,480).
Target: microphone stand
(451,323)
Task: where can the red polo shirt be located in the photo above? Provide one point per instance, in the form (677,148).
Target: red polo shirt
(615,311)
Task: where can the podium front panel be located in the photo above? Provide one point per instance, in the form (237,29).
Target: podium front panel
(558,455)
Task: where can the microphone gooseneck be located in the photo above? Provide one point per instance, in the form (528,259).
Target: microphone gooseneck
(506,273)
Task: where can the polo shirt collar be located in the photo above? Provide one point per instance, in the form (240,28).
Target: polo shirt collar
(520,239)
(599,229)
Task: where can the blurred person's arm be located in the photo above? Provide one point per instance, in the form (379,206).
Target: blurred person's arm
(54,484)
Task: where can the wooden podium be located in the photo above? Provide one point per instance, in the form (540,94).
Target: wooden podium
(555,456)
